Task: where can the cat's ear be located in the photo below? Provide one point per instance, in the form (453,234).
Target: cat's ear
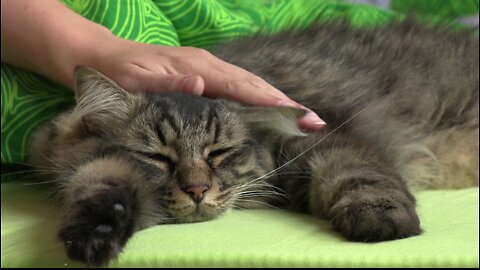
(99,99)
(272,121)
(95,92)
(89,81)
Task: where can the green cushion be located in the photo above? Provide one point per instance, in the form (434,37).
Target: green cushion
(252,238)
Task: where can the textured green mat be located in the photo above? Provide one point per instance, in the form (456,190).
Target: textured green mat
(253,238)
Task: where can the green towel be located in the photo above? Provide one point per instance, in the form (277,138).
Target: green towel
(252,238)
(28,99)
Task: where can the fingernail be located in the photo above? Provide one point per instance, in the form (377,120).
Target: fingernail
(192,84)
(309,117)
(313,118)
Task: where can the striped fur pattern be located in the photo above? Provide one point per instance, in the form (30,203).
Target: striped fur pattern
(402,108)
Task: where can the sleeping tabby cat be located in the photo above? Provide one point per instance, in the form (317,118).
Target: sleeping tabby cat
(401,103)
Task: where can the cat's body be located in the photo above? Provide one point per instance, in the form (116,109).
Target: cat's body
(401,103)
(420,85)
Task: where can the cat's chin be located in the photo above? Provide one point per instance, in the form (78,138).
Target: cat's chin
(198,214)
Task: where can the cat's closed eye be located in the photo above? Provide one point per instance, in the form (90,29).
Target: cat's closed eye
(215,157)
(166,163)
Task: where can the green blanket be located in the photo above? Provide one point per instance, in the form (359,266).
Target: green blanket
(253,238)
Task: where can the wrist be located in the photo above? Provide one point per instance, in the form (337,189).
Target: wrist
(48,38)
(82,46)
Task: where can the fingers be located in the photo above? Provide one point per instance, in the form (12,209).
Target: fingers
(144,80)
(311,122)
(215,78)
(242,84)
(228,81)
(256,92)
(239,90)
(166,83)
(193,84)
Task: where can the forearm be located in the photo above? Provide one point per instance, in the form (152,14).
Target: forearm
(48,38)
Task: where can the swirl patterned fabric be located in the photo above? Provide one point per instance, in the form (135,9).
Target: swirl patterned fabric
(28,99)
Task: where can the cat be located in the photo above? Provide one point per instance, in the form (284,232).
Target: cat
(401,103)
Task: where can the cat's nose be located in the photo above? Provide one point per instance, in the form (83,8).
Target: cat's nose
(196,192)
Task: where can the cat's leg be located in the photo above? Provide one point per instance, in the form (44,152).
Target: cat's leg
(354,186)
(104,202)
(445,159)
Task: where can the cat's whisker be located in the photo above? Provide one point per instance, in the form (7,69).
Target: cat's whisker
(30,172)
(58,164)
(275,171)
(41,183)
(59,184)
(316,143)
(263,191)
(269,195)
(256,183)
(256,202)
(292,173)
(256,193)
(258,179)
(35,170)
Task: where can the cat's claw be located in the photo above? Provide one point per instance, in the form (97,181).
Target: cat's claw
(118,207)
(104,228)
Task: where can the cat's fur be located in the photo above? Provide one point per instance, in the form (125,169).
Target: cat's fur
(401,103)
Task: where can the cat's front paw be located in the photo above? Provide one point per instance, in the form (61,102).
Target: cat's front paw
(100,227)
(370,217)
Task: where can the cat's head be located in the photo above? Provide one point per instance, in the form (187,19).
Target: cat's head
(201,156)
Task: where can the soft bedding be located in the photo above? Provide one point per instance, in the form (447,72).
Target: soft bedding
(248,238)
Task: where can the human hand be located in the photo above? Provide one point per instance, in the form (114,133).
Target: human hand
(134,66)
(145,67)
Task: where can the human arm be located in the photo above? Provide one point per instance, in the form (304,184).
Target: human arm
(50,39)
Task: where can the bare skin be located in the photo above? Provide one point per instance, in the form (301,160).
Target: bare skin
(38,36)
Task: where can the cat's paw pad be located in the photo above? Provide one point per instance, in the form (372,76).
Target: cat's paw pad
(100,227)
(373,218)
